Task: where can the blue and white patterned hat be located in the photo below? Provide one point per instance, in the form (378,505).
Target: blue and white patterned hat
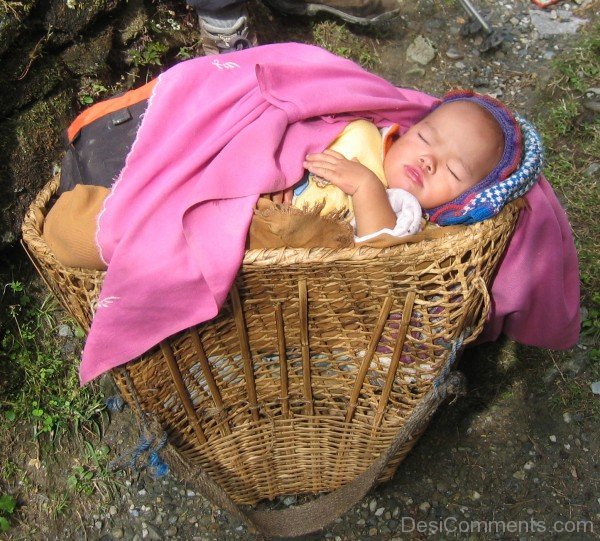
(517,171)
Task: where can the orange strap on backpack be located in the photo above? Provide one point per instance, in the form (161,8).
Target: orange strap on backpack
(108,106)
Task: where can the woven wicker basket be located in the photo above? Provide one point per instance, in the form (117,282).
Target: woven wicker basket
(313,364)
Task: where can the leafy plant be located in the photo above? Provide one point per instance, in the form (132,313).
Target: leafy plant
(81,480)
(48,392)
(150,55)
(7,508)
(185,53)
(60,504)
(92,476)
(89,95)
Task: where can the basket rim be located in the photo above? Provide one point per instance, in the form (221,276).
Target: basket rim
(262,257)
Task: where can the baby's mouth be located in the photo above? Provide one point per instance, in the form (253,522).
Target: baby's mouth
(414,174)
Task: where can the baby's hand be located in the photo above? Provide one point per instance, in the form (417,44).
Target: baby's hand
(348,175)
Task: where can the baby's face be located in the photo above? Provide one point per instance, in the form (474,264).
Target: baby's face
(448,152)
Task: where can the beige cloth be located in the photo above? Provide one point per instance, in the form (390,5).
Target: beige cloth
(70,228)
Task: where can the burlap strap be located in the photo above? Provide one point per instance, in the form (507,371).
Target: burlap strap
(317,514)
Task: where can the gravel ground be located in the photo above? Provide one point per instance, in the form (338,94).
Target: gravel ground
(505,452)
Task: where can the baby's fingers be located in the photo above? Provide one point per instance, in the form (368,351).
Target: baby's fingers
(327,156)
(334,154)
(317,163)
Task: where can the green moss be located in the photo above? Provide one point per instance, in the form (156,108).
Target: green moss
(31,143)
(89,58)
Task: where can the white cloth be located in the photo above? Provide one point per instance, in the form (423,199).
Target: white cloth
(408,216)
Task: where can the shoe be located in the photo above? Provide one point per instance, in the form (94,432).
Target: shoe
(365,12)
(225,31)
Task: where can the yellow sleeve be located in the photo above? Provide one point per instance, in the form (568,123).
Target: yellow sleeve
(360,139)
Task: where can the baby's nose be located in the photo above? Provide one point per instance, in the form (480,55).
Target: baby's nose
(427,163)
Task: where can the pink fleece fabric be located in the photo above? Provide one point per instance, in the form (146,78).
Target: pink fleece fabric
(219,131)
(535,293)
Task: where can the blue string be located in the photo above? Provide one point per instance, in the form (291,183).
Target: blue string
(158,467)
(143,445)
(115,404)
(454,349)
(145,455)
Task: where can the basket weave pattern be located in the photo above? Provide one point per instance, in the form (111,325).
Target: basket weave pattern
(315,361)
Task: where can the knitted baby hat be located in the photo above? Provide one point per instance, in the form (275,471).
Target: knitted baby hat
(516,172)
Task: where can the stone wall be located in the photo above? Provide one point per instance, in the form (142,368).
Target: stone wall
(56,57)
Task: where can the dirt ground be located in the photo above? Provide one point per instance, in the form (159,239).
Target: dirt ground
(508,461)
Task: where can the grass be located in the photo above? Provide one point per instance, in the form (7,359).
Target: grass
(572,139)
(45,415)
(48,396)
(337,39)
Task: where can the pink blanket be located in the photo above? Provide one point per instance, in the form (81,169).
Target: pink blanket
(535,293)
(218,132)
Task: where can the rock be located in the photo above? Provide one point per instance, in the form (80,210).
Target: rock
(425,507)
(592,170)
(153,533)
(372,505)
(519,475)
(117,533)
(475,495)
(416,71)
(567,417)
(454,54)
(65,331)
(578,361)
(11,22)
(171,531)
(30,142)
(421,50)
(89,58)
(69,22)
(552,438)
(592,105)
(563,14)
(290,500)
(595,387)
(134,21)
(547,25)
(379,511)
(550,375)
(26,78)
